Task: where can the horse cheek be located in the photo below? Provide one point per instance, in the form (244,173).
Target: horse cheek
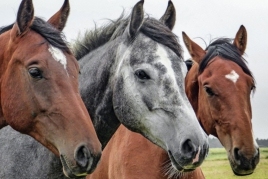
(12,89)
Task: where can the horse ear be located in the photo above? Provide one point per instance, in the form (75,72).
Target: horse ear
(240,40)
(25,16)
(196,52)
(169,18)
(136,20)
(59,19)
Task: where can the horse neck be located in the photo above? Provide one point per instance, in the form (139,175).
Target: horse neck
(97,91)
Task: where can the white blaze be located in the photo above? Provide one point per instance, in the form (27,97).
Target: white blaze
(233,76)
(163,56)
(58,55)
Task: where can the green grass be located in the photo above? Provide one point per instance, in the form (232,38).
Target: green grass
(216,166)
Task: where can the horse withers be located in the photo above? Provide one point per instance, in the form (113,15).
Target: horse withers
(219,85)
(39,90)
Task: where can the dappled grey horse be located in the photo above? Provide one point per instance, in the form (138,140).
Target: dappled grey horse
(132,73)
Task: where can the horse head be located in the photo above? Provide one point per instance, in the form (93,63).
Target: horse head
(149,95)
(39,90)
(219,85)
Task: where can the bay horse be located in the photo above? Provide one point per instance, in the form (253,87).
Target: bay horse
(218,86)
(39,90)
(132,73)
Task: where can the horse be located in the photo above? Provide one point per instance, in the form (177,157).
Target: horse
(130,155)
(132,73)
(218,86)
(137,78)
(39,90)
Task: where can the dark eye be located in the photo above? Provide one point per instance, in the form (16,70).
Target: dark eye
(209,91)
(189,64)
(35,73)
(142,75)
(253,88)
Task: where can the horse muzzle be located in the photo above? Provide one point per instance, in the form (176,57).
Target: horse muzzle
(189,157)
(85,163)
(242,165)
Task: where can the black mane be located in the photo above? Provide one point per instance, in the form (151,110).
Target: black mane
(224,48)
(151,27)
(52,35)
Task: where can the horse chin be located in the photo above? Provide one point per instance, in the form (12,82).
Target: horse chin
(242,172)
(177,166)
(67,169)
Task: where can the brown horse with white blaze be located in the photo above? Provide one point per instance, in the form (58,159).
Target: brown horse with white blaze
(39,89)
(219,85)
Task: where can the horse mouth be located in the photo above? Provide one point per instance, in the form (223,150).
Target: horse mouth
(238,171)
(67,169)
(176,165)
(241,169)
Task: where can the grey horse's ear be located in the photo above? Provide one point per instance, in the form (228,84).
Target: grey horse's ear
(137,16)
(169,18)
(59,19)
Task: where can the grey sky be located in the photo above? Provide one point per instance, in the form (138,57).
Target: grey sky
(198,18)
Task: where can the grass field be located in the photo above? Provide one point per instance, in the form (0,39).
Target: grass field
(216,166)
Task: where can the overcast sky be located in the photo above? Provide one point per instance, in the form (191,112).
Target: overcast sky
(198,18)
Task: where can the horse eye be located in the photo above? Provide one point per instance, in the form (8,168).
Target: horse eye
(189,64)
(209,91)
(142,75)
(35,73)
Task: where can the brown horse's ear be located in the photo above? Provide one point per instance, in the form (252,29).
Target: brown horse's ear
(136,20)
(169,18)
(196,52)
(25,17)
(59,19)
(240,40)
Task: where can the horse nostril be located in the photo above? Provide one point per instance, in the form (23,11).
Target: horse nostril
(236,154)
(188,147)
(82,156)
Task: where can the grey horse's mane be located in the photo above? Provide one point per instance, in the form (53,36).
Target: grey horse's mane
(151,27)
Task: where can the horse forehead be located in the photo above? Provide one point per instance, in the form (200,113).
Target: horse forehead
(58,55)
(145,50)
(233,76)
(165,58)
(225,68)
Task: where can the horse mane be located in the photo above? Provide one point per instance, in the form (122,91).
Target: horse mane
(151,27)
(224,48)
(46,30)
